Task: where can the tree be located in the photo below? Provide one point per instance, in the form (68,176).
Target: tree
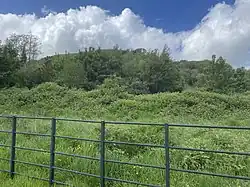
(73,75)
(240,80)
(9,64)
(161,73)
(27,45)
(139,70)
(222,75)
(216,75)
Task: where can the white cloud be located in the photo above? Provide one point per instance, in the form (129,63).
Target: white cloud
(45,11)
(225,31)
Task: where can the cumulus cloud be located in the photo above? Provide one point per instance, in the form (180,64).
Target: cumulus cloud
(224,31)
(45,11)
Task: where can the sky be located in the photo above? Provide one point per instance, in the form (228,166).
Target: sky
(193,30)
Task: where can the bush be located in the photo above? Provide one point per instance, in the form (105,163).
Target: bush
(111,102)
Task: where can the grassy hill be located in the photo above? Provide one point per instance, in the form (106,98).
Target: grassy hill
(110,102)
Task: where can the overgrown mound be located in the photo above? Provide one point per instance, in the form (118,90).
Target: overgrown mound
(111,102)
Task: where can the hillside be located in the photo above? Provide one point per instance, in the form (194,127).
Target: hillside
(138,70)
(112,102)
(51,99)
(124,85)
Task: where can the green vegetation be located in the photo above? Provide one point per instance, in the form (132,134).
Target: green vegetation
(112,103)
(124,85)
(139,71)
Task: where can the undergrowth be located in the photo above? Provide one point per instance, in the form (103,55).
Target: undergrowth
(113,103)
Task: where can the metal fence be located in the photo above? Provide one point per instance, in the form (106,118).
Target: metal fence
(102,142)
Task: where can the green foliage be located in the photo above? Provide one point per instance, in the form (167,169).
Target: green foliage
(9,64)
(110,101)
(125,85)
(141,71)
(32,74)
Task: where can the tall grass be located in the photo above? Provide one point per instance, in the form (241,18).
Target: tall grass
(114,104)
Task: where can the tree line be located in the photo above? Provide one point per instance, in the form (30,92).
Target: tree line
(138,71)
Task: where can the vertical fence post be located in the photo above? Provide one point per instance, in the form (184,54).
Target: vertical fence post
(167,160)
(52,152)
(13,149)
(102,155)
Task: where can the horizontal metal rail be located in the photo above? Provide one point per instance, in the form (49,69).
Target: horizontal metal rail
(25,148)
(210,151)
(4,159)
(81,120)
(135,164)
(49,118)
(74,138)
(77,156)
(133,123)
(31,117)
(3,145)
(32,149)
(78,120)
(41,179)
(32,177)
(211,127)
(135,144)
(4,171)
(31,164)
(6,116)
(33,134)
(102,142)
(211,174)
(127,123)
(77,172)
(5,131)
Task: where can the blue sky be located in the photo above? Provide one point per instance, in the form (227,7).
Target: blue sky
(192,29)
(171,15)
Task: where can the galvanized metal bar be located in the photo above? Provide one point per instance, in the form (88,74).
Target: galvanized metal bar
(3,145)
(33,117)
(33,134)
(32,177)
(52,152)
(6,116)
(74,138)
(210,127)
(86,121)
(135,144)
(77,172)
(102,155)
(77,156)
(13,149)
(4,171)
(32,149)
(78,120)
(211,174)
(5,131)
(129,123)
(102,150)
(130,182)
(167,157)
(135,164)
(133,123)
(210,151)
(5,159)
(32,164)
